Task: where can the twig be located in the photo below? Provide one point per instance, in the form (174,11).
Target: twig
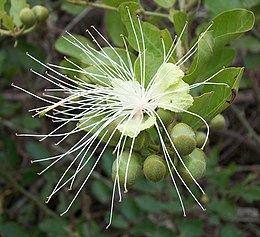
(107,7)
(75,20)
(19,188)
(245,123)
(240,139)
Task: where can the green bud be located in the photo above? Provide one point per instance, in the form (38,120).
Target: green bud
(183,138)
(141,141)
(27,17)
(217,122)
(154,168)
(200,138)
(166,116)
(134,169)
(40,12)
(196,164)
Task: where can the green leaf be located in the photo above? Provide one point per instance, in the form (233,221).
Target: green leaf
(208,106)
(142,228)
(226,209)
(101,191)
(55,227)
(191,228)
(151,34)
(119,222)
(7,21)
(26,122)
(165,3)
(8,108)
(229,25)
(73,9)
(37,150)
(201,103)
(9,229)
(249,194)
(16,7)
(179,20)
(115,30)
(152,63)
(216,7)
(148,204)
(66,64)
(2,5)
(208,60)
(130,209)
(162,232)
(65,47)
(116,55)
(107,161)
(230,230)
(116,3)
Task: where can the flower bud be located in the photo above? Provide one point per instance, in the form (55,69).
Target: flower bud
(134,169)
(196,164)
(218,122)
(166,116)
(141,141)
(183,138)
(27,17)
(154,168)
(200,138)
(40,12)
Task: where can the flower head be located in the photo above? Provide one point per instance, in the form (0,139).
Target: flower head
(114,105)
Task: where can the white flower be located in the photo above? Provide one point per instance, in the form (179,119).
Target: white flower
(117,99)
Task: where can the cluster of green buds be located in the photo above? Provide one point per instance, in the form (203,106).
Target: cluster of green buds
(27,20)
(32,16)
(148,158)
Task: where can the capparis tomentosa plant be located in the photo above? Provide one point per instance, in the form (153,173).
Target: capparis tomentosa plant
(140,100)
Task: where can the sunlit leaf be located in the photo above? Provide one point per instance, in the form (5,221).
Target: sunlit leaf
(16,7)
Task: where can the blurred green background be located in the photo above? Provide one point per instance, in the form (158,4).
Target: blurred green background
(153,210)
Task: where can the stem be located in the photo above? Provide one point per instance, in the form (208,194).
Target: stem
(19,188)
(245,123)
(21,31)
(107,7)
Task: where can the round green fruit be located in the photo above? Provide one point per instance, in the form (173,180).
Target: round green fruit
(154,168)
(200,138)
(27,17)
(141,141)
(40,12)
(166,116)
(196,164)
(217,122)
(134,169)
(183,138)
